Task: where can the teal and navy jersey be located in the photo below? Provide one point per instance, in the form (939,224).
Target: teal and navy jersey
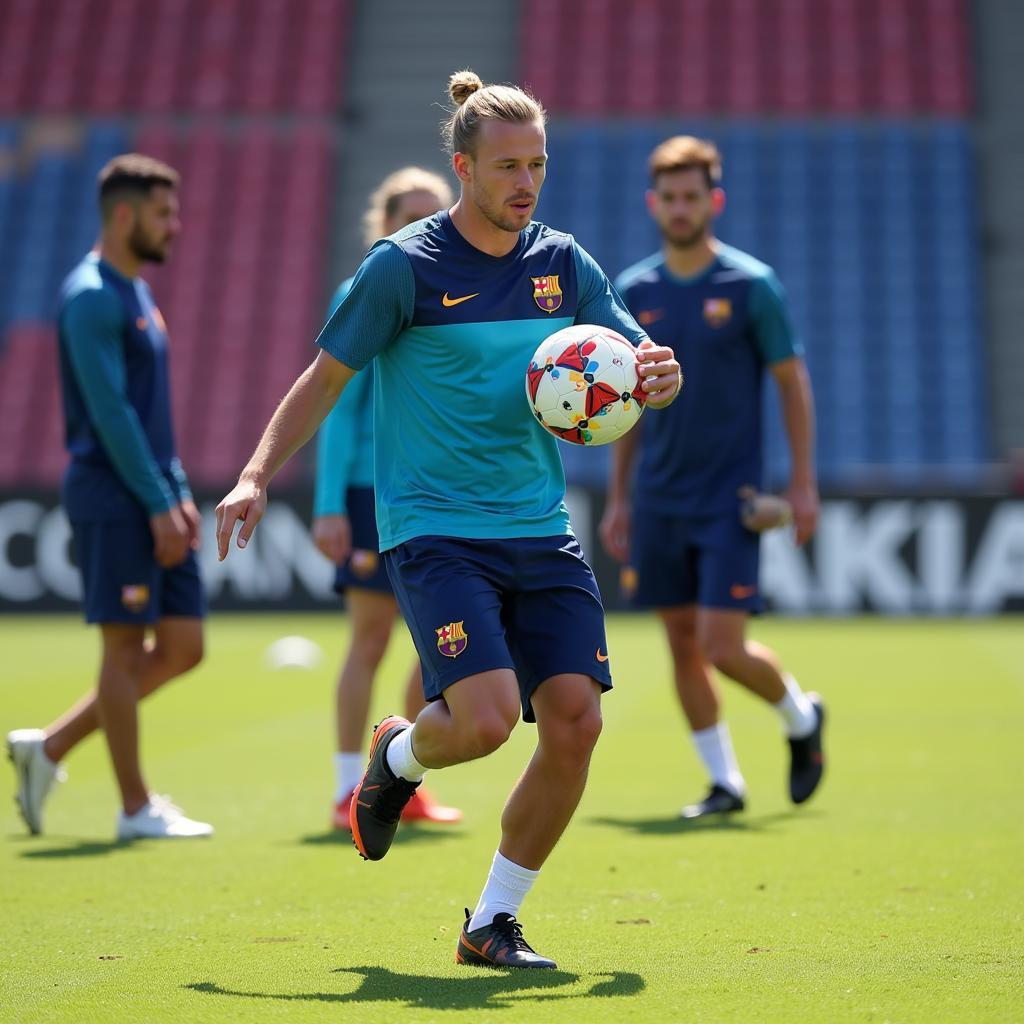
(725,325)
(344,454)
(117,406)
(451,330)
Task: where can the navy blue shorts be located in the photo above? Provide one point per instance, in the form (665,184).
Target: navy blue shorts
(530,604)
(711,561)
(121,580)
(364,567)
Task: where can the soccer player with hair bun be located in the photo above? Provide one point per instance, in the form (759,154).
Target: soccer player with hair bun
(470,494)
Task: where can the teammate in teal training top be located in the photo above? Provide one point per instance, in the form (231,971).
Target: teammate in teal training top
(503,608)
(345,526)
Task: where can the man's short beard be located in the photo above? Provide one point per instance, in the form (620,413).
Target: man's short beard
(495,218)
(694,238)
(143,250)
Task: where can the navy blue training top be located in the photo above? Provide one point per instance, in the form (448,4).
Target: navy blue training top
(117,407)
(726,325)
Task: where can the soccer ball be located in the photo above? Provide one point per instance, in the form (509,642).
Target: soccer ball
(583,385)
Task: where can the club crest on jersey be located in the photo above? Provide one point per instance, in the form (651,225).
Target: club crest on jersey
(546,292)
(717,311)
(452,639)
(135,597)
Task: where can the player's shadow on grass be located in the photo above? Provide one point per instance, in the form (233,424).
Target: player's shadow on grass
(712,823)
(676,826)
(408,834)
(83,848)
(489,989)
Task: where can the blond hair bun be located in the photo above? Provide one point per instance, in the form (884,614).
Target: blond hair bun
(462,85)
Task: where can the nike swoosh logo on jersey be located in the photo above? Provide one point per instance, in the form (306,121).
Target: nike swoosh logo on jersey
(600,656)
(445,301)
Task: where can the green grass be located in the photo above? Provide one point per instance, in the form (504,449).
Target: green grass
(895,895)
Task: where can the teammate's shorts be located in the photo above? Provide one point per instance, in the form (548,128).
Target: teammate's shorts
(121,580)
(364,567)
(712,561)
(528,604)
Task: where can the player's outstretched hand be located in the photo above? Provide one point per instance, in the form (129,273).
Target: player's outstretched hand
(170,537)
(661,375)
(245,504)
(333,537)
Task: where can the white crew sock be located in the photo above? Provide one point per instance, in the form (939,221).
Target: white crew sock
(348,770)
(796,710)
(401,760)
(506,888)
(714,745)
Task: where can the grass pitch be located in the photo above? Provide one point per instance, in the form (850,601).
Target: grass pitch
(895,895)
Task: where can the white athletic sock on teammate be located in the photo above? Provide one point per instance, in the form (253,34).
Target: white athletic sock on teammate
(714,745)
(401,760)
(796,710)
(348,770)
(506,888)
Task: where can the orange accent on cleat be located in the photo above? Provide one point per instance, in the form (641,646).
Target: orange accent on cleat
(381,825)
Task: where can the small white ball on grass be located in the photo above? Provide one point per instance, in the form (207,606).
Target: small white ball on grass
(293,652)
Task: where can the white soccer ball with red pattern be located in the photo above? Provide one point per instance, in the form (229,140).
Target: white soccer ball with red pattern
(583,385)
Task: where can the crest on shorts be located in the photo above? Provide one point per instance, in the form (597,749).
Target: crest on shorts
(546,292)
(452,639)
(717,311)
(135,597)
(363,563)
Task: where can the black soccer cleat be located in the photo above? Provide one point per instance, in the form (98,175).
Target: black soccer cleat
(498,944)
(718,801)
(380,796)
(807,759)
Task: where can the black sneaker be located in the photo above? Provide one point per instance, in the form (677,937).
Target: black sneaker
(718,801)
(807,759)
(498,944)
(379,798)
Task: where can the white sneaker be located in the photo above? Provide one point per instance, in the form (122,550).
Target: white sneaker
(36,774)
(160,819)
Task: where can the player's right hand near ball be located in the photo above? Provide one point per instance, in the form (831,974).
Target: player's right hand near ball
(333,537)
(245,504)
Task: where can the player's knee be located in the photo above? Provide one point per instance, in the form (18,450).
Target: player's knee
(683,641)
(724,654)
(123,651)
(370,644)
(191,653)
(574,737)
(487,733)
(587,730)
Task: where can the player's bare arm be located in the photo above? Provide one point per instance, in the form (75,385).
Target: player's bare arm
(297,418)
(661,374)
(797,401)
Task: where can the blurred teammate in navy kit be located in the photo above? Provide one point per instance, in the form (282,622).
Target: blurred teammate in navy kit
(136,529)
(678,525)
